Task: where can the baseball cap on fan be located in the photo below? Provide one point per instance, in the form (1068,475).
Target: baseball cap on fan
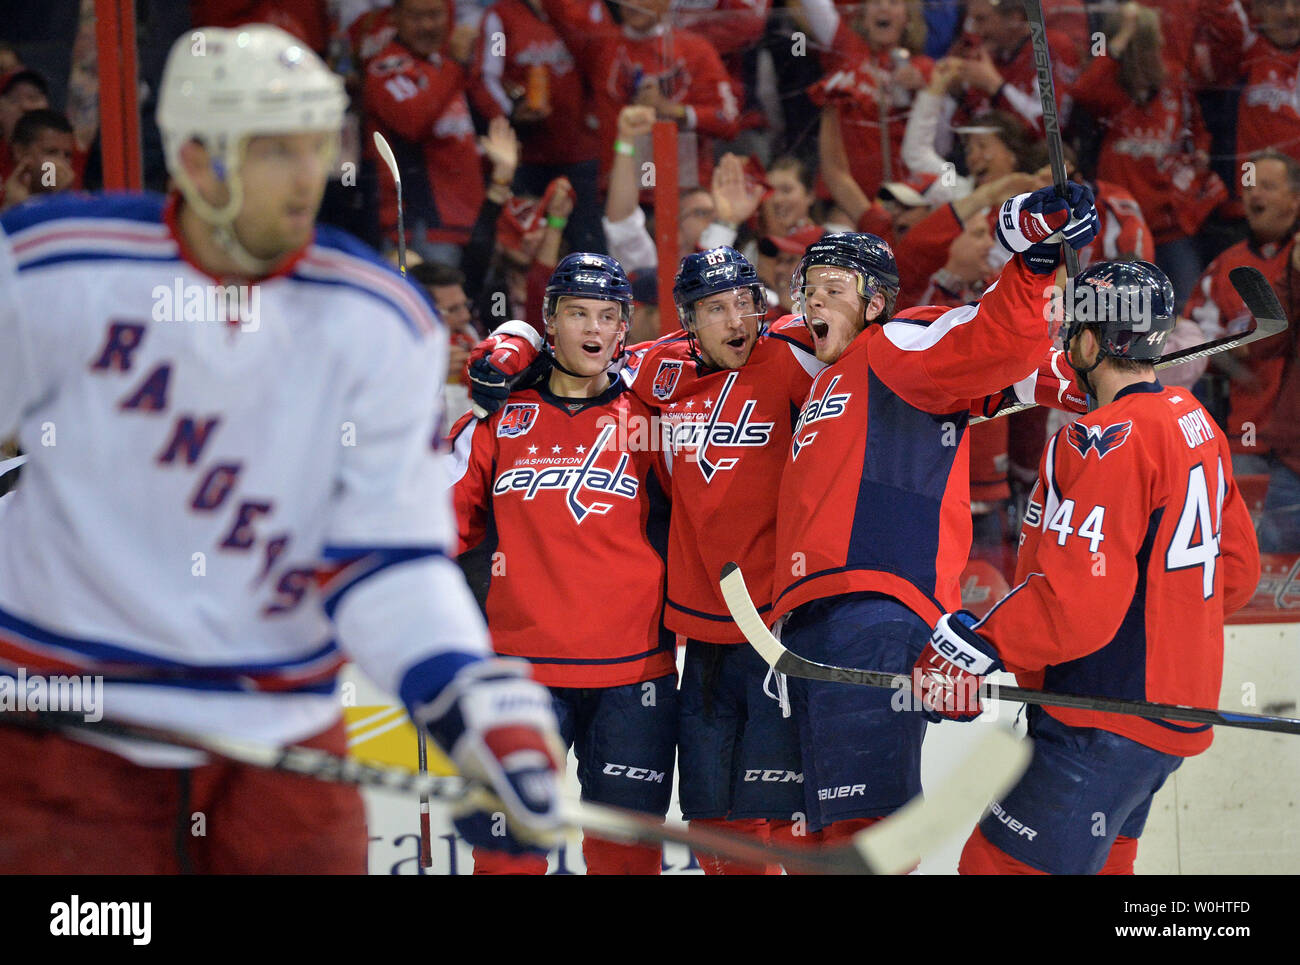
(910,193)
(794,243)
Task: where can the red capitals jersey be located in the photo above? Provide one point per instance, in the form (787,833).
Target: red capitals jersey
(1123,234)
(421,108)
(1150,149)
(1216,307)
(514,41)
(575,521)
(852,84)
(725,433)
(1135,546)
(685,65)
(875,495)
(1266,110)
(1019,93)
(733,27)
(370,33)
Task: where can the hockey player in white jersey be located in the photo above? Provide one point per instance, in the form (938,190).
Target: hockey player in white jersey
(230,491)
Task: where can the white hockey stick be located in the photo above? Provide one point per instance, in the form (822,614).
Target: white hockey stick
(8,465)
(891,846)
(386,153)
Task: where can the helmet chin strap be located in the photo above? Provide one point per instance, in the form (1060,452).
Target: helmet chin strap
(1083,373)
(222,220)
(555,361)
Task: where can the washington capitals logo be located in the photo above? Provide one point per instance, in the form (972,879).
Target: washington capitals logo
(517,419)
(829,405)
(1086,437)
(574,479)
(666,377)
(716,431)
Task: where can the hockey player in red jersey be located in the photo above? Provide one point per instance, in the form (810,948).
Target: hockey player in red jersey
(572,513)
(874,522)
(724,389)
(1135,547)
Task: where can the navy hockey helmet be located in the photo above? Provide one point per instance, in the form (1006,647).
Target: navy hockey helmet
(869,257)
(705,273)
(587,275)
(1130,305)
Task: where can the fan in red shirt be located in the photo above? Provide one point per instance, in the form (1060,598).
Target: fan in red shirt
(415,95)
(524,72)
(1265,54)
(733,27)
(1136,546)
(1261,424)
(998,63)
(1156,144)
(646,60)
(873,65)
(573,520)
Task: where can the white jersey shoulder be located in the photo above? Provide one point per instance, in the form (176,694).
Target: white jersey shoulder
(197,450)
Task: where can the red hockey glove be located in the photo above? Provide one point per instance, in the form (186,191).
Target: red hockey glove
(1055,387)
(497,362)
(947,675)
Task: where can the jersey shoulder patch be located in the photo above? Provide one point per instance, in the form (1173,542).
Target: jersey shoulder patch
(1099,439)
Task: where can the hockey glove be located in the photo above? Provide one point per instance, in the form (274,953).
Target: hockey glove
(500,730)
(1054,386)
(946,677)
(497,362)
(1033,225)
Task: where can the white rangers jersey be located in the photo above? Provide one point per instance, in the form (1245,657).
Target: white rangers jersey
(191,476)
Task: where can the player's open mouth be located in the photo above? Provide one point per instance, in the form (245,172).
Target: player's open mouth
(591,348)
(819,328)
(737,343)
(884,23)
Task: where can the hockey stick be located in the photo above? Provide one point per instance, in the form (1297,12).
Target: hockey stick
(8,465)
(891,846)
(1262,303)
(1051,124)
(386,152)
(784,661)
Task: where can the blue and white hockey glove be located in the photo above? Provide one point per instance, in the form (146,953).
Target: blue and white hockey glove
(497,362)
(499,728)
(946,677)
(1033,225)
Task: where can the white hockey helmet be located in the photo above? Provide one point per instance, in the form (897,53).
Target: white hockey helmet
(221,86)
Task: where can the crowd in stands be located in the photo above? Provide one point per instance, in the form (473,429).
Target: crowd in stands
(522,129)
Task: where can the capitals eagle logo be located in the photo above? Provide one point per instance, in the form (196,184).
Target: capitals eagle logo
(1086,438)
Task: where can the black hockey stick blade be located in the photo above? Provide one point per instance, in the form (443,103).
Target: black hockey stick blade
(736,595)
(1262,303)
